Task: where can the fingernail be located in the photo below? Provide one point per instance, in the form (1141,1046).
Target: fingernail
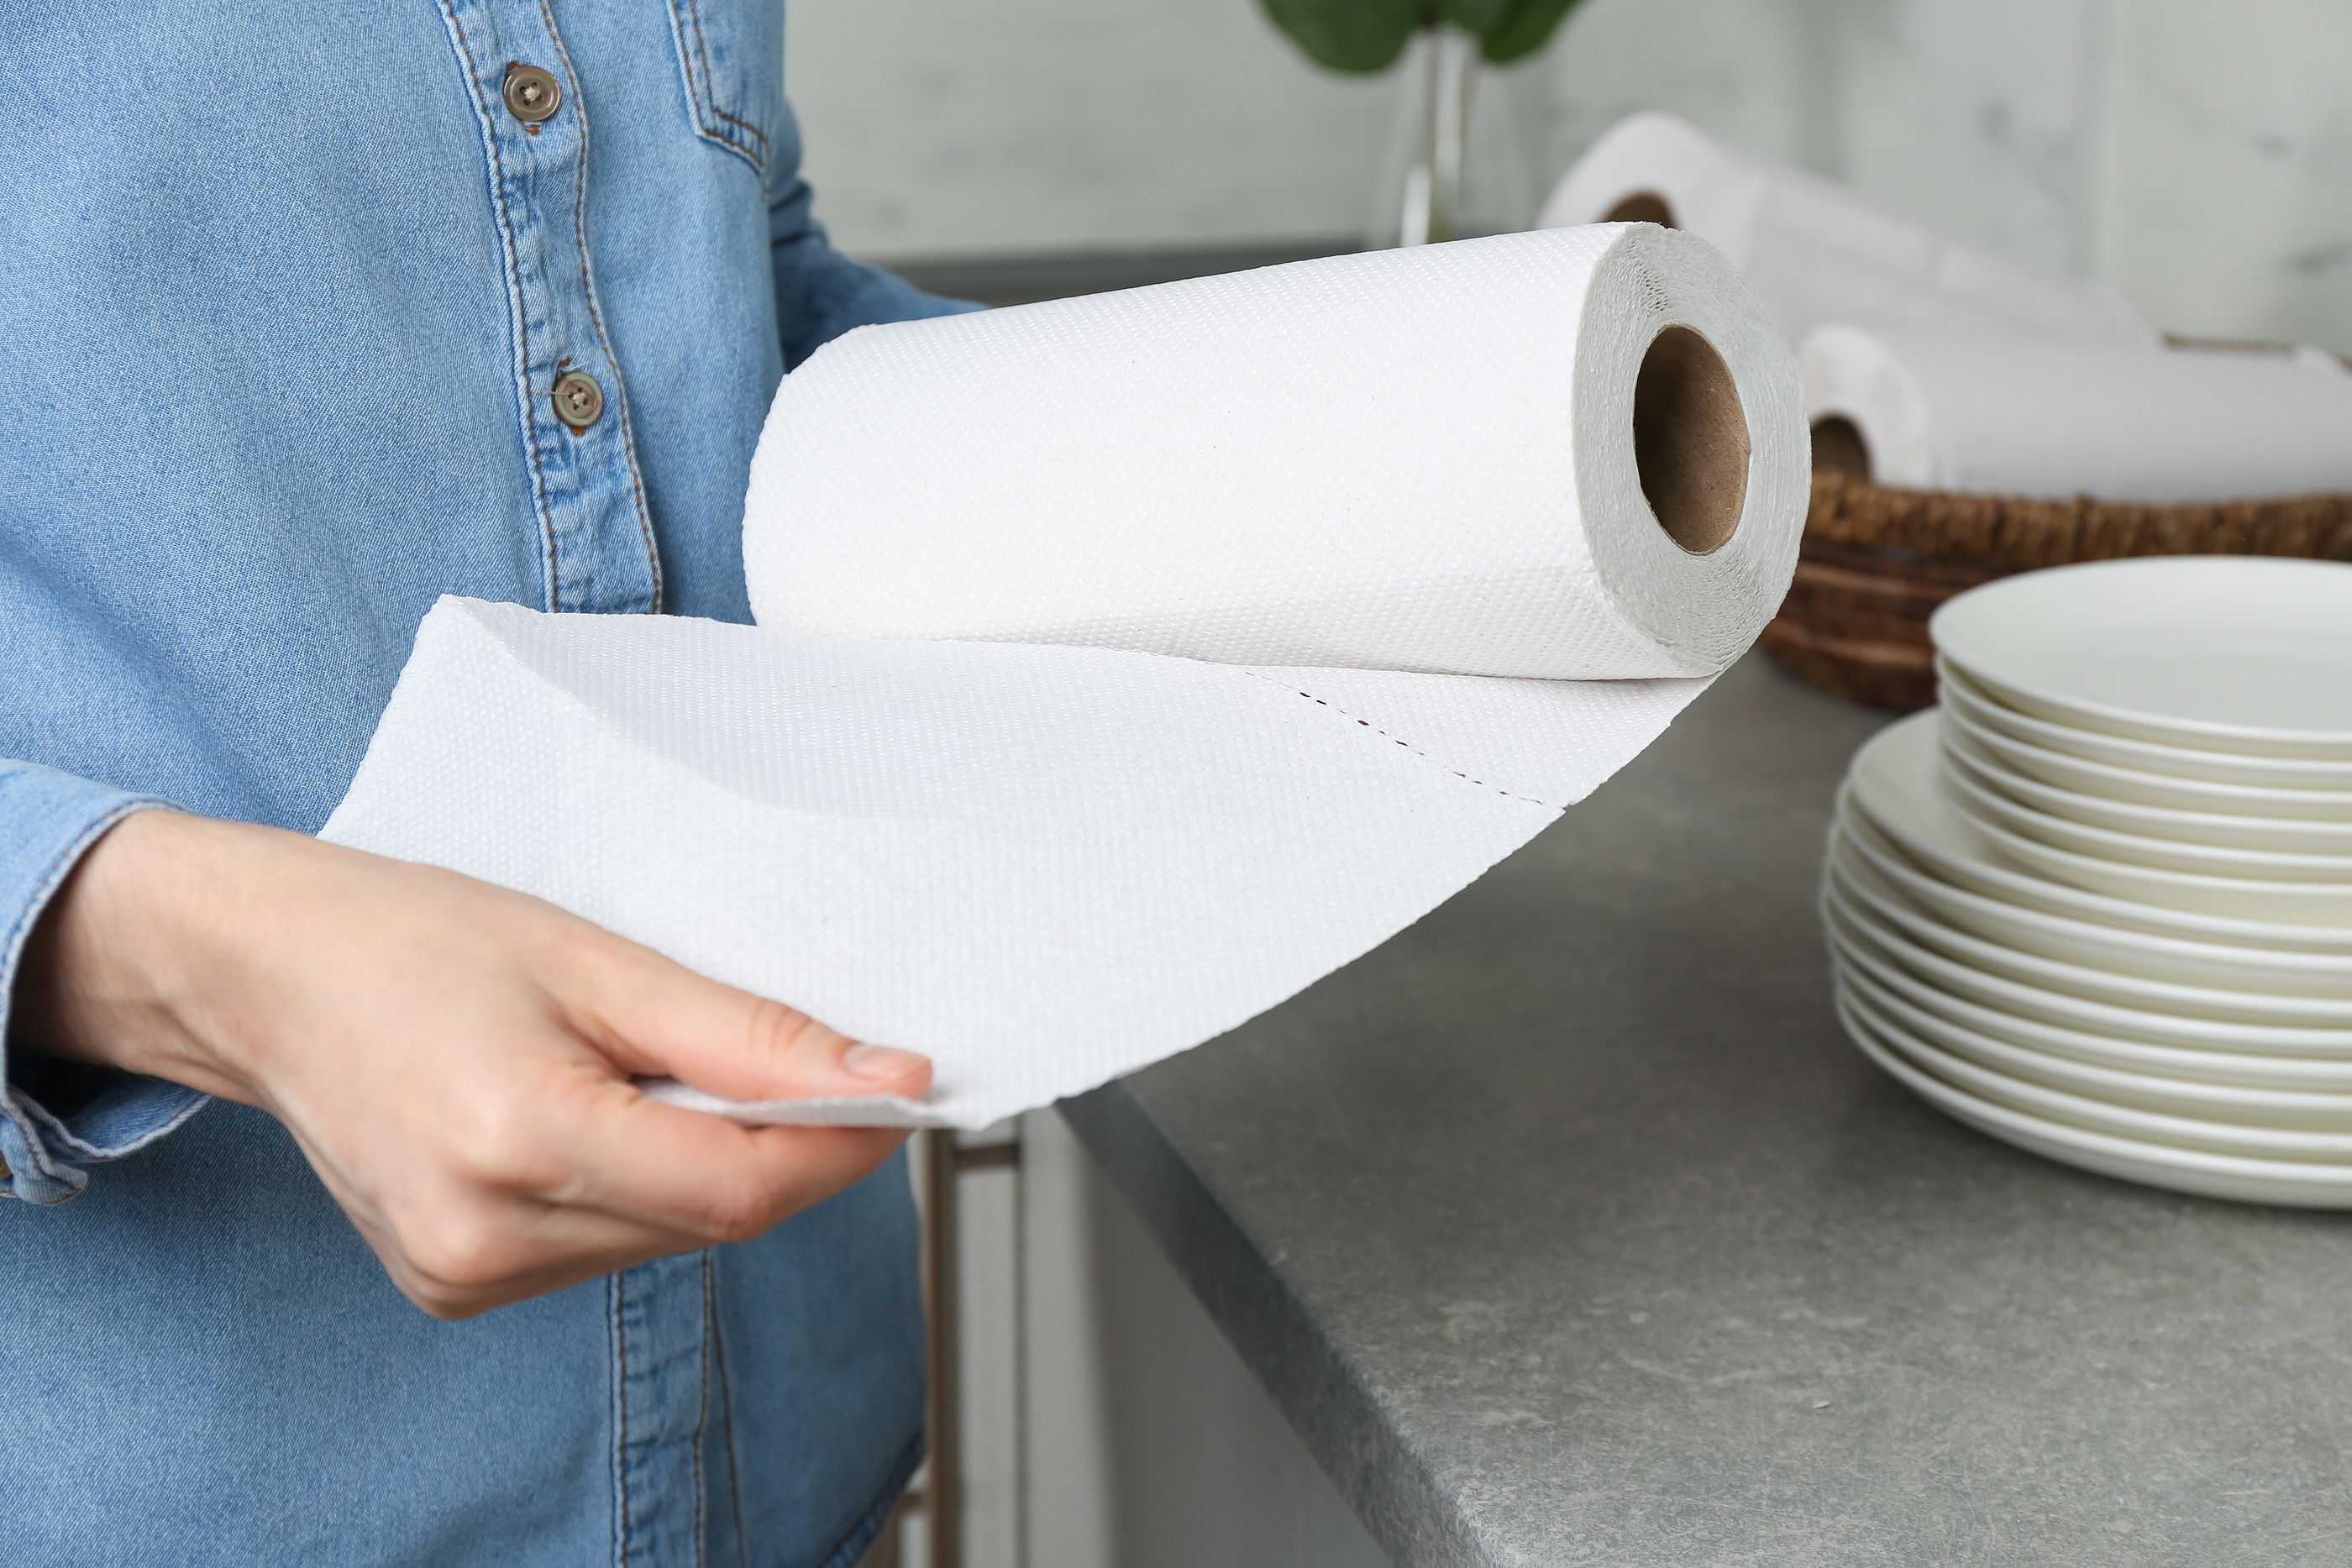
(879,1062)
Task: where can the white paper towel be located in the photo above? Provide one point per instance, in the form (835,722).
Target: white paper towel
(1127,663)
(1816,251)
(2041,416)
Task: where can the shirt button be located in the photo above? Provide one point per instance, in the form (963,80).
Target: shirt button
(579,401)
(531,94)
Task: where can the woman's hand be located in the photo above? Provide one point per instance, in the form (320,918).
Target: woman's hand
(453,1058)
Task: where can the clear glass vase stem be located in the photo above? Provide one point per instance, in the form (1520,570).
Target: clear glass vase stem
(1432,186)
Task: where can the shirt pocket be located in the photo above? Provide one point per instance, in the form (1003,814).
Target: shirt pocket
(732,56)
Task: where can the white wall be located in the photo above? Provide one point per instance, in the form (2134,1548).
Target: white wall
(2196,155)
(977,128)
(2228,206)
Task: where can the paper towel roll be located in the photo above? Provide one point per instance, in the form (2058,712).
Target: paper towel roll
(1128,664)
(1815,250)
(2046,417)
(1424,459)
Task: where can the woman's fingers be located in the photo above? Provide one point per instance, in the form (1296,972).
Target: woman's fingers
(619,1153)
(652,1017)
(538,1248)
(639,1188)
(553,1167)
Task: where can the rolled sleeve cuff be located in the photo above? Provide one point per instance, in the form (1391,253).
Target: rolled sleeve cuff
(822,294)
(47,821)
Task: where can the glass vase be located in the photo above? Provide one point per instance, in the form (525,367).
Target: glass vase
(1455,166)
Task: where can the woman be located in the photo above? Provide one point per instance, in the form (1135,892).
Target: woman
(308,316)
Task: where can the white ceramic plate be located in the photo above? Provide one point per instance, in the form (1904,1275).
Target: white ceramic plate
(1973,784)
(1892,785)
(2285,1182)
(1853,924)
(1868,894)
(2107,781)
(2325,979)
(1872,896)
(2320,905)
(2250,1068)
(2147,1091)
(2262,835)
(2100,1115)
(2239,653)
(1955,690)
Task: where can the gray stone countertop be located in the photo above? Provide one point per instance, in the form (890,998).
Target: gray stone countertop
(1567,1228)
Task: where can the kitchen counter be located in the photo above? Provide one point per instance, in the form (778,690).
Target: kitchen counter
(1567,1228)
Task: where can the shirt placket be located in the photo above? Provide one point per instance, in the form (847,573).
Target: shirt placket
(598,556)
(597,533)
(661,1402)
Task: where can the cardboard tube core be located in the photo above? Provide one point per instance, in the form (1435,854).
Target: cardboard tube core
(1641,207)
(1839,448)
(1690,440)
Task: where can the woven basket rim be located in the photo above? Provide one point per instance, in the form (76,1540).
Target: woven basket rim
(2080,499)
(2015,533)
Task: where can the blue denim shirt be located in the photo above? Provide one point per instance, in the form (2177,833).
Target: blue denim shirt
(284,295)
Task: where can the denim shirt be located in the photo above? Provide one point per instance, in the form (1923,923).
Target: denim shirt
(285,293)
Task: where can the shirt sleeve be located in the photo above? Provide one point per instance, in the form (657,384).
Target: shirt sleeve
(57,1118)
(821,293)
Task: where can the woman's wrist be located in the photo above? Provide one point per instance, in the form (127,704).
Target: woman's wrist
(105,975)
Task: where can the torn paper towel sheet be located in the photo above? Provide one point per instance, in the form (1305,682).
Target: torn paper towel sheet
(2049,417)
(1041,865)
(1126,664)
(1817,251)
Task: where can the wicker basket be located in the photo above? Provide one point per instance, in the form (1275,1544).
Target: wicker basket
(1877,560)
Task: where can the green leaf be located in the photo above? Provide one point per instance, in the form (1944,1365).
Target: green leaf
(1523,28)
(1349,35)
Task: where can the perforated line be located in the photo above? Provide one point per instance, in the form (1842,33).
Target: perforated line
(1426,756)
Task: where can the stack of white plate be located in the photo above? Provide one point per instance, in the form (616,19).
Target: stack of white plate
(2099,903)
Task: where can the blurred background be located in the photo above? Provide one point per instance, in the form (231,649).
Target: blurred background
(2196,157)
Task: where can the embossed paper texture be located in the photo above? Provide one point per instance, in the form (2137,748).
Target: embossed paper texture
(1125,665)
